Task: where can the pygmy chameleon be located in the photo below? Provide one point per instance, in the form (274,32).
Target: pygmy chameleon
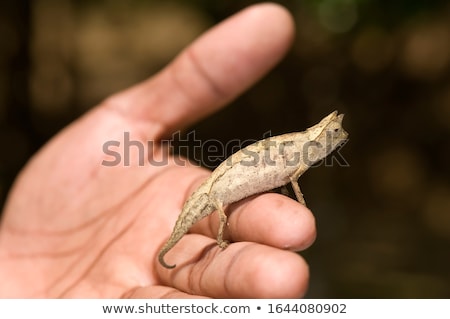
(257,168)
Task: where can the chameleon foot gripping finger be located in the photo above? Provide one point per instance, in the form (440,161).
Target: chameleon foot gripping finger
(257,168)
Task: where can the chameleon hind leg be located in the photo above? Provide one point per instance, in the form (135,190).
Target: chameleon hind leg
(222,222)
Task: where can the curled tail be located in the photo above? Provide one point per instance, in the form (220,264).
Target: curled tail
(197,207)
(161,255)
(178,232)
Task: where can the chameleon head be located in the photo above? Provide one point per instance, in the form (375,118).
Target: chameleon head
(324,137)
(334,134)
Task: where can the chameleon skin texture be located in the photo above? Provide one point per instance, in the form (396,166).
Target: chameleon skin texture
(257,168)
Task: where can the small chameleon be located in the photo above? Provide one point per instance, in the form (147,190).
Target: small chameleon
(259,167)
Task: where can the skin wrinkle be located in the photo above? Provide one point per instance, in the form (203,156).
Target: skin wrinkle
(192,279)
(181,85)
(117,109)
(107,245)
(190,100)
(20,233)
(169,294)
(48,255)
(160,292)
(207,253)
(199,268)
(220,95)
(129,293)
(70,266)
(100,254)
(113,110)
(228,281)
(93,220)
(64,273)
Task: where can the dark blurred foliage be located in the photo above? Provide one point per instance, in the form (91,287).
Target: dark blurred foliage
(383,222)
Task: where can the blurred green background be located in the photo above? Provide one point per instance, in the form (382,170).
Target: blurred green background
(383,222)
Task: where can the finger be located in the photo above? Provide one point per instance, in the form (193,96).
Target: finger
(242,270)
(212,71)
(270,219)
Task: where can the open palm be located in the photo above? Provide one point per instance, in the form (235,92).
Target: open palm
(73,227)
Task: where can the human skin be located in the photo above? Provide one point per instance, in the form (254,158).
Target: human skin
(72,227)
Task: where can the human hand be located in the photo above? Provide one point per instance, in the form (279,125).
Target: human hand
(73,227)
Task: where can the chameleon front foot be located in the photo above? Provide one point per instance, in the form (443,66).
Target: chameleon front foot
(298,193)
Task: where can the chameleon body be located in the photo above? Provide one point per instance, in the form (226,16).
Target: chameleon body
(257,168)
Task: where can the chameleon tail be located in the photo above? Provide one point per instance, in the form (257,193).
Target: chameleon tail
(161,255)
(196,208)
(179,230)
